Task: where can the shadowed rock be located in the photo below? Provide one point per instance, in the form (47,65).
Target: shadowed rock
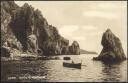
(112,48)
(5,52)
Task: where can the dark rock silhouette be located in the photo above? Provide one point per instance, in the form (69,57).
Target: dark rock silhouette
(5,52)
(28,31)
(112,48)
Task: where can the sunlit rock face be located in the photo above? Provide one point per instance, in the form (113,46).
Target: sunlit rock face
(112,48)
(32,43)
(74,48)
(25,29)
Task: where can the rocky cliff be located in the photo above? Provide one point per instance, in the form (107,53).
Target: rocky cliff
(112,48)
(25,30)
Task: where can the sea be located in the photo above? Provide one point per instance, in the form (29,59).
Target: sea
(54,71)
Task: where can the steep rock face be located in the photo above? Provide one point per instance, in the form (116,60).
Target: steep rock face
(9,6)
(25,29)
(26,21)
(74,48)
(112,48)
(8,39)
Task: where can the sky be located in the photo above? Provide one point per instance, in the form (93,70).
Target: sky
(85,21)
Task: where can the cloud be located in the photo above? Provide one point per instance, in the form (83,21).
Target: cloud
(108,6)
(111,6)
(68,30)
(100,14)
(88,27)
(106,10)
(80,38)
(79,33)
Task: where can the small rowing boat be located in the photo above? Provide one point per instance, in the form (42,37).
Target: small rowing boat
(72,65)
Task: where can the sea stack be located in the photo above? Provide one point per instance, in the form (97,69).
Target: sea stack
(74,48)
(112,48)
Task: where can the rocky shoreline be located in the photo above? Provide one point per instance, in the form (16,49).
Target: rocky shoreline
(25,30)
(29,58)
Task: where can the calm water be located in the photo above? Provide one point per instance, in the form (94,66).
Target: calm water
(53,70)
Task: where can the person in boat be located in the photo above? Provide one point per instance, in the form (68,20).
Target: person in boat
(72,61)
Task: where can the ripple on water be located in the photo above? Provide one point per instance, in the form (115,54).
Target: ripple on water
(53,70)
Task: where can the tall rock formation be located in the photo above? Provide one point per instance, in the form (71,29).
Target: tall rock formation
(112,48)
(26,30)
(74,48)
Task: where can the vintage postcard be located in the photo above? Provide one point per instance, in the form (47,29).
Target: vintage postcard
(64,41)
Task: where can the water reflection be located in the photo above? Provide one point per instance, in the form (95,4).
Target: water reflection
(23,69)
(111,71)
(53,70)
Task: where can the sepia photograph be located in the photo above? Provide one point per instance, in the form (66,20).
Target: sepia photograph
(64,41)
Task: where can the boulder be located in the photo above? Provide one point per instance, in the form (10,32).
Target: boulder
(112,48)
